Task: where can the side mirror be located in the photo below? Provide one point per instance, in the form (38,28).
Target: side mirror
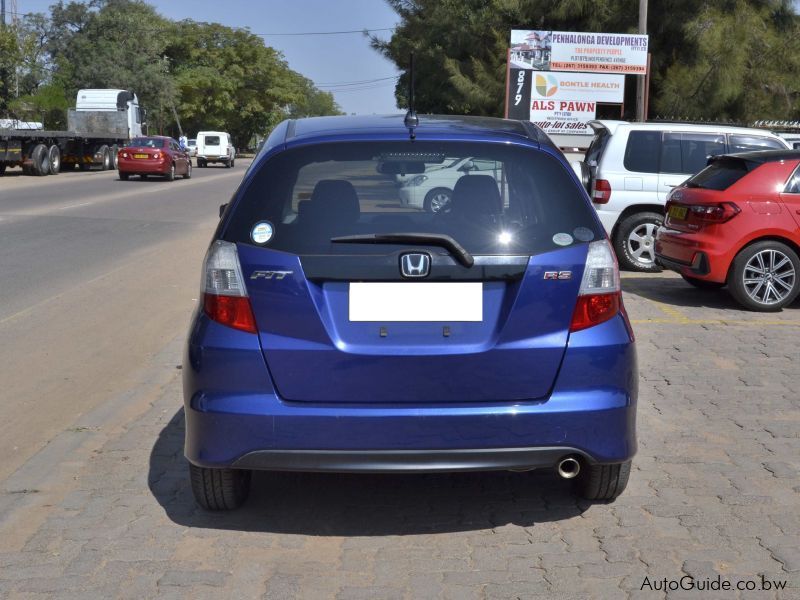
(222,208)
(467,166)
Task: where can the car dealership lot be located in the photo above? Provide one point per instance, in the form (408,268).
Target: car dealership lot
(102,508)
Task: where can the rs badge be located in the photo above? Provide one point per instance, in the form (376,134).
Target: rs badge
(558,274)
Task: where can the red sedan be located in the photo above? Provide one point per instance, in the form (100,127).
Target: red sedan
(737,223)
(154,155)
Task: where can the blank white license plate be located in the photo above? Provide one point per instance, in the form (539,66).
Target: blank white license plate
(433,301)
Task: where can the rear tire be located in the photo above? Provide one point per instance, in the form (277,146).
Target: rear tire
(40,160)
(702,284)
(201,163)
(603,482)
(634,242)
(54,156)
(781,268)
(105,157)
(438,200)
(233,162)
(219,489)
(2,168)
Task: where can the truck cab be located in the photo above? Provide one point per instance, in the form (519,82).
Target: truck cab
(111,101)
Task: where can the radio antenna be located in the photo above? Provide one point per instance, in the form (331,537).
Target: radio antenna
(411,120)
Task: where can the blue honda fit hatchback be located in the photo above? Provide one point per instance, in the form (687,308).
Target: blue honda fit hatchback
(344,329)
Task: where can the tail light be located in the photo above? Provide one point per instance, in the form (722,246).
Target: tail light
(714,213)
(599,297)
(700,215)
(601,191)
(225,298)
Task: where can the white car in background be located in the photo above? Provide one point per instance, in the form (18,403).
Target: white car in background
(215,147)
(433,190)
(191,147)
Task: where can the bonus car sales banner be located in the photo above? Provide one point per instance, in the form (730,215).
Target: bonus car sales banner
(621,53)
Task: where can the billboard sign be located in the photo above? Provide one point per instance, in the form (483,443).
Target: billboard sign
(561,103)
(590,87)
(563,116)
(620,53)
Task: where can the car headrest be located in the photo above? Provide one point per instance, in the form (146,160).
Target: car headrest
(335,199)
(476,195)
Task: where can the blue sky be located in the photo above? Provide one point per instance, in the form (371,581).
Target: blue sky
(328,60)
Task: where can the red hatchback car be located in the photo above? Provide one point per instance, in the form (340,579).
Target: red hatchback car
(737,223)
(154,155)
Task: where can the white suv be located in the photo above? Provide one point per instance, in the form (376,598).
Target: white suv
(630,168)
(213,147)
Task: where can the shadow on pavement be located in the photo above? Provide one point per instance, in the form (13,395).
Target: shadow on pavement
(363,505)
(675,291)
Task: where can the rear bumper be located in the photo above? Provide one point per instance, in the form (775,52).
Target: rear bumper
(419,461)
(213,159)
(702,256)
(234,417)
(143,167)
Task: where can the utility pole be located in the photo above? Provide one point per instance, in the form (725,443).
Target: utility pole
(3,73)
(641,80)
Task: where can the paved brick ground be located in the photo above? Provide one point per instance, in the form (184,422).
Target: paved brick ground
(105,510)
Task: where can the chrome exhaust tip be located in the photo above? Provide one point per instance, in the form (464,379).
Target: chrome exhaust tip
(568,468)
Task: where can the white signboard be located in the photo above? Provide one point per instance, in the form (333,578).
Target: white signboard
(589,87)
(577,51)
(563,116)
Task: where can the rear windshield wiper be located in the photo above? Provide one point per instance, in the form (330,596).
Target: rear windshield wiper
(423,239)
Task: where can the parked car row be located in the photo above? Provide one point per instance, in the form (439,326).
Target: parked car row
(475,307)
(630,168)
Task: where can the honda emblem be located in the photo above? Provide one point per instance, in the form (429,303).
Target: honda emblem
(415,265)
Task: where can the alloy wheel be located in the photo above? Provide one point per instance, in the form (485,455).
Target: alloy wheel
(769,276)
(641,243)
(439,202)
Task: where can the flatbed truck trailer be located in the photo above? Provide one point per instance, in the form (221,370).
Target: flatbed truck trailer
(101,122)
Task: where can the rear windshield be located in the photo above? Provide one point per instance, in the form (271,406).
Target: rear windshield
(147,143)
(211,140)
(491,199)
(721,174)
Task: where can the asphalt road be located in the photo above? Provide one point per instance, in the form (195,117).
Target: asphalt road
(96,274)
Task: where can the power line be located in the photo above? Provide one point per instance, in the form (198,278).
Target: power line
(354,83)
(328,32)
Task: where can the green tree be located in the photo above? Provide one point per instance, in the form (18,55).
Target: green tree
(9,59)
(733,59)
(312,102)
(48,104)
(228,79)
(113,44)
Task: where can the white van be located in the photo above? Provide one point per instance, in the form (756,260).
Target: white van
(630,168)
(214,147)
